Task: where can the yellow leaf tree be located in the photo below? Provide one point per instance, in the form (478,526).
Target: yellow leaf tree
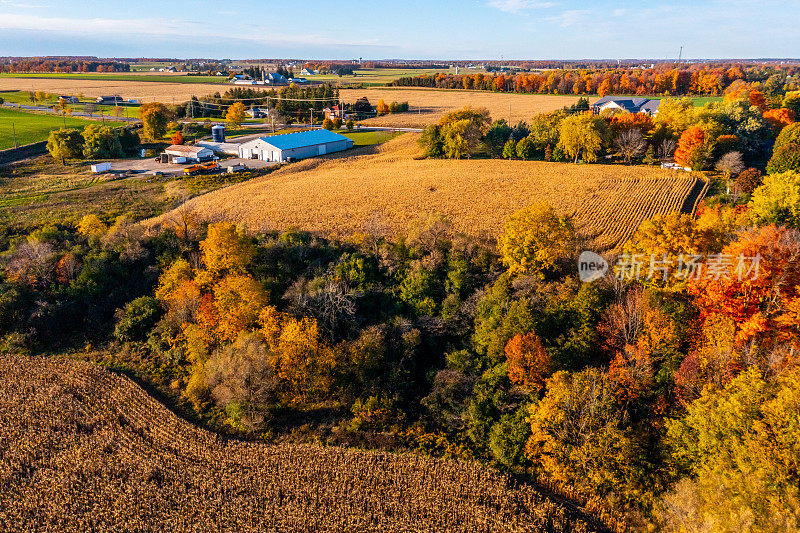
(235,115)
(582,134)
(226,249)
(155,117)
(238,299)
(536,240)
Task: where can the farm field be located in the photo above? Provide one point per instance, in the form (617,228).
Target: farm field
(124,461)
(35,127)
(158,77)
(389,187)
(376,76)
(142,90)
(435,103)
(23,98)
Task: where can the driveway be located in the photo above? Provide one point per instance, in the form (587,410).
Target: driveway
(148,165)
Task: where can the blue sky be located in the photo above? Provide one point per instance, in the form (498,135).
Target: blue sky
(448,29)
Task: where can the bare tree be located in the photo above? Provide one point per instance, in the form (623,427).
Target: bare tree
(333,305)
(184,221)
(623,320)
(630,144)
(666,148)
(730,164)
(241,374)
(32,263)
(429,229)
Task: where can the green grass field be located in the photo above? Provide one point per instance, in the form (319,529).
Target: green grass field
(23,97)
(32,127)
(366,138)
(119,76)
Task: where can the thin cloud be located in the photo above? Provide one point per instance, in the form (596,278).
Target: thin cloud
(515,6)
(569,17)
(160,28)
(8,3)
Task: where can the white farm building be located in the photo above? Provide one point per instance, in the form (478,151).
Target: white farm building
(294,145)
(181,153)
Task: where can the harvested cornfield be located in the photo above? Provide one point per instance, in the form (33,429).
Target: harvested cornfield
(82,449)
(390,188)
(144,91)
(429,105)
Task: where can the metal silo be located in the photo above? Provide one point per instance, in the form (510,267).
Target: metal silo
(218,133)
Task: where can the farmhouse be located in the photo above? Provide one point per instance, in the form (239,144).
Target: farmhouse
(181,153)
(632,105)
(257,112)
(294,145)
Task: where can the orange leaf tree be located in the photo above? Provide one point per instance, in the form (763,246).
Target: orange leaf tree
(529,364)
(760,306)
(692,151)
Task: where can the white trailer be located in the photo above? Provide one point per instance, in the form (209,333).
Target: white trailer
(101,167)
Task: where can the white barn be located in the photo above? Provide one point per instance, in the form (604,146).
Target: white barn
(298,145)
(181,153)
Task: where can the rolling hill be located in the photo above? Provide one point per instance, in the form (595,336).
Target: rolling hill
(82,449)
(389,187)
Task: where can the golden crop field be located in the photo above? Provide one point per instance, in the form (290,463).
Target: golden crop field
(82,449)
(351,193)
(428,105)
(144,91)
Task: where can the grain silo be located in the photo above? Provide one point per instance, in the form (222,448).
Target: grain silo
(218,133)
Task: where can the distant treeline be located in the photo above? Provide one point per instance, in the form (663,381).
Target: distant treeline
(692,80)
(289,101)
(61,65)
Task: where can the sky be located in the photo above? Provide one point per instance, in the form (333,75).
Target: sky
(412,29)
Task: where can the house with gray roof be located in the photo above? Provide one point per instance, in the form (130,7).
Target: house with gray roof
(626,103)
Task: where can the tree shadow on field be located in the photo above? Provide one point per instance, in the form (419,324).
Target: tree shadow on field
(286,419)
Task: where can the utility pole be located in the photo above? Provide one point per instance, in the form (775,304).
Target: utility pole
(509,114)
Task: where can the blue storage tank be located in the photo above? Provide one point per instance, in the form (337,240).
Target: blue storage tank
(218,133)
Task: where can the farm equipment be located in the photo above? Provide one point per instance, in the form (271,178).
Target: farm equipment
(194,169)
(211,165)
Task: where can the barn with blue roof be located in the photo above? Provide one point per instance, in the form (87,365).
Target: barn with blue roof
(292,146)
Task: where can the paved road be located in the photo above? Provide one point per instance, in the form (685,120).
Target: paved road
(79,114)
(305,126)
